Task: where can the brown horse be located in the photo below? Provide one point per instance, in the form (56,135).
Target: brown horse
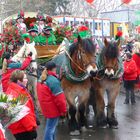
(78,62)
(107,80)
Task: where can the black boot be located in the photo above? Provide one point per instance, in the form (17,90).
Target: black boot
(133,101)
(127,97)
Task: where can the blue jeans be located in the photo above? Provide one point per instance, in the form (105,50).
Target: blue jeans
(50,130)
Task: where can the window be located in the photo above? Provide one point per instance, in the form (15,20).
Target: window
(119,28)
(96,26)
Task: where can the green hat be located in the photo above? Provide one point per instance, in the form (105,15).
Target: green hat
(46,28)
(33,28)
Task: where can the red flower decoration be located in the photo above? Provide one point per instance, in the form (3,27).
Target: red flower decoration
(126,1)
(83,28)
(49,19)
(27,40)
(90,1)
(119,33)
(31,24)
(22,13)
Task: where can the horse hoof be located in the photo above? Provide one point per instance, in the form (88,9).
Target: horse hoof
(113,126)
(113,123)
(103,127)
(83,129)
(75,133)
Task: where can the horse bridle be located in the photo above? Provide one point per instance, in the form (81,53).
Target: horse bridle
(76,64)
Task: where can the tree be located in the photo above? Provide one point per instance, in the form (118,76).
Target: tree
(50,7)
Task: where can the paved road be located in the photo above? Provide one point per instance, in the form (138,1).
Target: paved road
(129,126)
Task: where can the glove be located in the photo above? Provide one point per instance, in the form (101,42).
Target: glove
(30,54)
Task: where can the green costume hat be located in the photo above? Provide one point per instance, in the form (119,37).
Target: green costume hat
(33,28)
(20,15)
(40,17)
(46,28)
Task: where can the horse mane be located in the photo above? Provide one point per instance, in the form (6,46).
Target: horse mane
(111,51)
(87,44)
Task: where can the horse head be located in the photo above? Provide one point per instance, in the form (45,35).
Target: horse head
(24,52)
(30,47)
(83,56)
(110,54)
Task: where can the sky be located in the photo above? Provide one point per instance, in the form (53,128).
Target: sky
(135,1)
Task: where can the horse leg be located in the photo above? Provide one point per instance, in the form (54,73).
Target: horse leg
(100,105)
(73,124)
(32,88)
(111,119)
(81,117)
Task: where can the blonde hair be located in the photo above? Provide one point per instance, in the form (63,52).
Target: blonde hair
(43,76)
(136,47)
(4,66)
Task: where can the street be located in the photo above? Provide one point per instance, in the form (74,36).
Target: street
(129,126)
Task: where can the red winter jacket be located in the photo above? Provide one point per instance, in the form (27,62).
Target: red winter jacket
(136,58)
(2,136)
(51,97)
(6,76)
(28,123)
(130,70)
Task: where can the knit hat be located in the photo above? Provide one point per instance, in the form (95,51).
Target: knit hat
(50,65)
(33,28)
(20,15)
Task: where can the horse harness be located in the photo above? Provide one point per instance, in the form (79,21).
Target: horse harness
(101,66)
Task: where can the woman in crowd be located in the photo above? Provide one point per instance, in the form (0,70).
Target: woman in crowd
(8,67)
(24,129)
(51,98)
(136,58)
(130,75)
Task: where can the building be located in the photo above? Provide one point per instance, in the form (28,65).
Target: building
(124,15)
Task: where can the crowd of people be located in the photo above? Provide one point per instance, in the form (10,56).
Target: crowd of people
(131,71)
(50,93)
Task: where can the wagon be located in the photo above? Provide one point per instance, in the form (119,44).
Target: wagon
(47,51)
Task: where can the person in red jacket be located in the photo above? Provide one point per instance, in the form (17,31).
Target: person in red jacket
(24,129)
(51,98)
(8,67)
(130,76)
(136,58)
(2,133)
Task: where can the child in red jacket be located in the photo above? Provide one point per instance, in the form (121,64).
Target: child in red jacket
(130,75)
(51,98)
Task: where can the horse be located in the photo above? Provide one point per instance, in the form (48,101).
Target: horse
(107,80)
(32,69)
(74,67)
